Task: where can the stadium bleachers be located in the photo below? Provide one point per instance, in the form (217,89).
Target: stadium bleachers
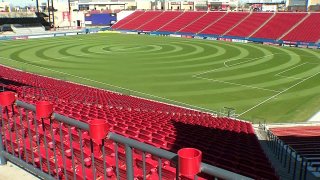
(127,19)
(26,30)
(226,143)
(202,22)
(304,140)
(249,25)
(307,31)
(182,21)
(288,26)
(225,23)
(160,21)
(139,20)
(278,25)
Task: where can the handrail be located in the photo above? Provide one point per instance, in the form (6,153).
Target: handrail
(81,126)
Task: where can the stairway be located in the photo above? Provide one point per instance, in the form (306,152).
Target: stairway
(131,20)
(237,24)
(212,23)
(149,20)
(281,172)
(170,21)
(293,27)
(261,25)
(192,22)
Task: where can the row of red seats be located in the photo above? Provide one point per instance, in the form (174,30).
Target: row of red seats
(242,24)
(161,125)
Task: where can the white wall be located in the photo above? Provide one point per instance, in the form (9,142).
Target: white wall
(123,14)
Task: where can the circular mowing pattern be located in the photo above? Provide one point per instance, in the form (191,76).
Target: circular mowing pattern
(205,73)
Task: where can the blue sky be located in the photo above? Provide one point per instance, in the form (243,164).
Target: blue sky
(27,2)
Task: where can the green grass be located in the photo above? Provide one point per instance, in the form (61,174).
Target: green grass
(261,82)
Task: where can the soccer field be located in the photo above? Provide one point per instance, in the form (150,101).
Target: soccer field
(277,84)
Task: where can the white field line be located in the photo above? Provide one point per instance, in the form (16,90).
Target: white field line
(290,69)
(289,77)
(197,108)
(226,82)
(232,59)
(281,92)
(250,59)
(226,66)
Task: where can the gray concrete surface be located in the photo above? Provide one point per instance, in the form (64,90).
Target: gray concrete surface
(13,172)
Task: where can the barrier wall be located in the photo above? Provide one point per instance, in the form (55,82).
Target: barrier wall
(53,146)
(231,39)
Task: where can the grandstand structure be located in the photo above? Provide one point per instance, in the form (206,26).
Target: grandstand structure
(260,26)
(156,124)
(47,125)
(295,146)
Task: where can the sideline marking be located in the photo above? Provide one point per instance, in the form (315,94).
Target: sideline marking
(197,108)
(272,97)
(226,82)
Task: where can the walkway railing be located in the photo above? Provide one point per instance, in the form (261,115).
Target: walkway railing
(297,164)
(54,146)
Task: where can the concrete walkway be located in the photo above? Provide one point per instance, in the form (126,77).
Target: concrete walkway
(315,118)
(13,172)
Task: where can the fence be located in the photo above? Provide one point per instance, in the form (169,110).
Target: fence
(298,165)
(54,146)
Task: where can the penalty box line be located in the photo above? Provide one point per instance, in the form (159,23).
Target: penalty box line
(276,95)
(198,76)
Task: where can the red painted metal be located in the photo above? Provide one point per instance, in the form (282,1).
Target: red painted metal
(44,109)
(189,162)
(98,129)
(7,98)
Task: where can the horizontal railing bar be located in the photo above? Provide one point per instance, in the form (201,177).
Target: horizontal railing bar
(56,116)
(205,168)
(70,121)
(27,166)
(26,105)
(143,147)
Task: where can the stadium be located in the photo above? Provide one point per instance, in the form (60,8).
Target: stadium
(131,89)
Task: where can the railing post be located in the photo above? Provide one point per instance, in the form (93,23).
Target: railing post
(129,162)
(7,98)
(3,160)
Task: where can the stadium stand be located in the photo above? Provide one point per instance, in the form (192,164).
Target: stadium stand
(27,30)
(287,26)
(140,20)
(303,142)
(127,19)
(227,143)
(225,23)
(182,21)
(249,25)
(160,21)
(278,25)
(306,31)
(203,22)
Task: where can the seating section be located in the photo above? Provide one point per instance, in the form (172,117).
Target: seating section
(225,142)
(278,25)
(249,25)
(225,23)
(203,22)
(140,20)
(239,24)
(30,29)
(127,19)
(160,21)
(307,31)
(305,140)
(182,21)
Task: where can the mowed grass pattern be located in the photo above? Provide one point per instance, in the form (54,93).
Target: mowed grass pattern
(277,84)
